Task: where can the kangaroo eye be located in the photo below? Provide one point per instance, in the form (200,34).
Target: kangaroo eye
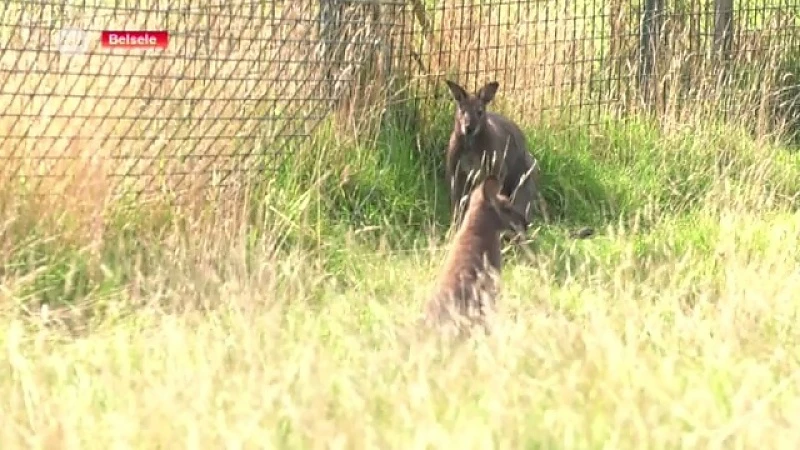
(480,112)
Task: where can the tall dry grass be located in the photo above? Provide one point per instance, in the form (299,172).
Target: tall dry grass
(234,346)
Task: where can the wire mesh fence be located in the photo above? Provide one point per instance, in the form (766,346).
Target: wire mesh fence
(240,82)
(581,60)
(237,83)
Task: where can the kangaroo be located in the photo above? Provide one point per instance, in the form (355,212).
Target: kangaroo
(467,287)
(480,137)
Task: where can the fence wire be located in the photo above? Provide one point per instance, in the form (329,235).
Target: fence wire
(241,83)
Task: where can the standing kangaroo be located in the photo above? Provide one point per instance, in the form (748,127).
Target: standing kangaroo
(467,287)
(480,138)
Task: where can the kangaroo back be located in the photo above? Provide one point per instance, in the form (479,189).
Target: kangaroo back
(467,287)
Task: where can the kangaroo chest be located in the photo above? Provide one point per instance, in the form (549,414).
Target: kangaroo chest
(478,156)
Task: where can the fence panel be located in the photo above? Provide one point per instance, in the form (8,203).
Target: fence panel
(238,84)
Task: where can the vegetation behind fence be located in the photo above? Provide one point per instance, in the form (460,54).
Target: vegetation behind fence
(243,83)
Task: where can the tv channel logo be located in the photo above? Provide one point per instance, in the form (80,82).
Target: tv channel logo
(72,41)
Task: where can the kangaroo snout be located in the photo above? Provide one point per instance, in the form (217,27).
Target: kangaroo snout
(470,128)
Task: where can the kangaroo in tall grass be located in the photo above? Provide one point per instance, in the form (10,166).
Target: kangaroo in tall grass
(467,287)
(482,139)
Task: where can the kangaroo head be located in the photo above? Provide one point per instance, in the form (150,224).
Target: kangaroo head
(471,108)
(505,216)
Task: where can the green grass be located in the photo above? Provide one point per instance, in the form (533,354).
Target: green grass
(288,324)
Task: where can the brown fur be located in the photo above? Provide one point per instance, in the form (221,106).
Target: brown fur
(467,287)
(485,139)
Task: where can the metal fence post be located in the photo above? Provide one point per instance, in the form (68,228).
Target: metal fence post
(723,33)
(723,27)
(649,35)
(330,32)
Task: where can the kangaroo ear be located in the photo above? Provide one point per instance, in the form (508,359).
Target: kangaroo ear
(487,92)
(459,94)
(491,187)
